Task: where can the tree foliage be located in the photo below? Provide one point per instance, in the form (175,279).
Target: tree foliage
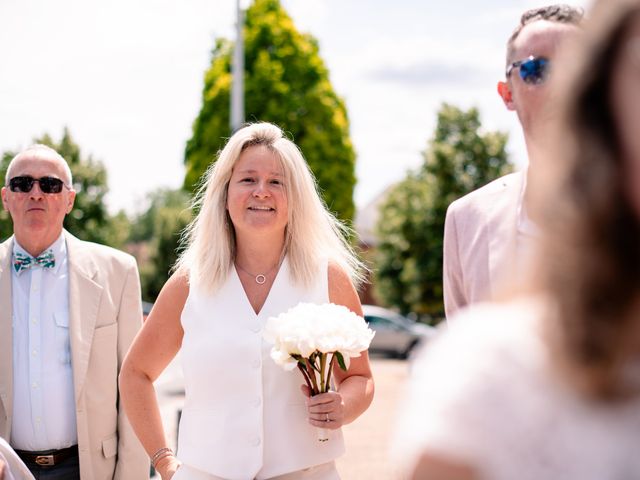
(155,237)
(89,219)
(286,83)
(459,158)
(6,230)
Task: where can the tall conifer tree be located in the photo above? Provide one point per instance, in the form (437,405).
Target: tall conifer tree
(286,83)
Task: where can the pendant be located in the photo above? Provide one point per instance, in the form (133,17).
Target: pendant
(260,279)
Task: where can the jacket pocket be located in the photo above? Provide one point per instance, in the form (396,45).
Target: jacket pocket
(110,445)
(105,331)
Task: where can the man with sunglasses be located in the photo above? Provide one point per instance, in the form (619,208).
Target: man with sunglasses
(488,234)
(69,310)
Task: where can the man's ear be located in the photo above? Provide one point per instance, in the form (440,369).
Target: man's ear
(505,93)
(3,193)
(70,200)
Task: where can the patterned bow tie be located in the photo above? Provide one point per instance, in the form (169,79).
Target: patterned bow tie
(23,262)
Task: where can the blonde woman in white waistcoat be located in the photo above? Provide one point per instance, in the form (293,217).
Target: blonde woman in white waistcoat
(262,242)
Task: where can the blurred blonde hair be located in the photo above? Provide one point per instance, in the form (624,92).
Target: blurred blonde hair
(589,264)
(312,236)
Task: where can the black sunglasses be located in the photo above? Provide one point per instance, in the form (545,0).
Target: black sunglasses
(533,70)
(25,183)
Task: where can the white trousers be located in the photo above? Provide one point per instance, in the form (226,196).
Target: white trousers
(325,471)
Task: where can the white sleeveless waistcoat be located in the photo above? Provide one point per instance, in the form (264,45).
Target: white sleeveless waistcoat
(245,417)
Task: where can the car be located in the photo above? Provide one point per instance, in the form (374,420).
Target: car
(395,334)
(146,309)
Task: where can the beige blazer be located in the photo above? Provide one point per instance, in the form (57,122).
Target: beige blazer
(105,315)
(480,234)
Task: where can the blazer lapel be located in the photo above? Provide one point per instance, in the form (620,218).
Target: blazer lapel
(6,335)
(84,300)
(503,232)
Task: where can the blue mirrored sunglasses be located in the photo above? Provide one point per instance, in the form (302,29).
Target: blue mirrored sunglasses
(533,70)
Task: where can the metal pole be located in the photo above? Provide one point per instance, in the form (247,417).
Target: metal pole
(237,72)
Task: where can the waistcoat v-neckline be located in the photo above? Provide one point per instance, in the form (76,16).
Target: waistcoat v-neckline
(276,283)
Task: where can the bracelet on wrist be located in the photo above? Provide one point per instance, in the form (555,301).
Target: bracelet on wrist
(160,454)
(167,456)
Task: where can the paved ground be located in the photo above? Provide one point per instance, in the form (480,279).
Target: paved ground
(367,439)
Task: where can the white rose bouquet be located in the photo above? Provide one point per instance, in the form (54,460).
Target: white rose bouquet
(312,338)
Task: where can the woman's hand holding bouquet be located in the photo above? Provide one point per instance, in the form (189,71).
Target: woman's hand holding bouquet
(313,338)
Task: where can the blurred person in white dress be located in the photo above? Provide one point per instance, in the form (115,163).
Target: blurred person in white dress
(11,466)
(546,384)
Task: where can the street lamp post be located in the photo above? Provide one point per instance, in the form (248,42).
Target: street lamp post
(237,73)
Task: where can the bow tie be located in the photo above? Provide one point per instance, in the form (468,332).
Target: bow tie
(23,262)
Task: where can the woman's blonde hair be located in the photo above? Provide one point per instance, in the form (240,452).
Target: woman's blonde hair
(313,234)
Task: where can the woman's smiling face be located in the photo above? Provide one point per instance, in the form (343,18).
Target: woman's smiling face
(256,196)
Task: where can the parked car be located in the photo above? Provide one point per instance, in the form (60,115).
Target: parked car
(395,334)
(146,309)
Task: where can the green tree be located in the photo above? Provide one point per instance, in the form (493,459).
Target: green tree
(5,220)
(286,83)
(155,237)
(89,219)
(459,158)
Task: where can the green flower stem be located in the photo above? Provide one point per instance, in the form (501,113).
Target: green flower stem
(312,376)
(323,361)
(305,374)
(312,360)
(333,360)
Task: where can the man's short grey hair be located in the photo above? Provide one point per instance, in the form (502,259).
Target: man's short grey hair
(40,151)
(559,13)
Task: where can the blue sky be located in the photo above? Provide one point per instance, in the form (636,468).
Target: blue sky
(126,77)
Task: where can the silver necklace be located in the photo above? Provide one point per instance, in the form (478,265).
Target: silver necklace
(261,278)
